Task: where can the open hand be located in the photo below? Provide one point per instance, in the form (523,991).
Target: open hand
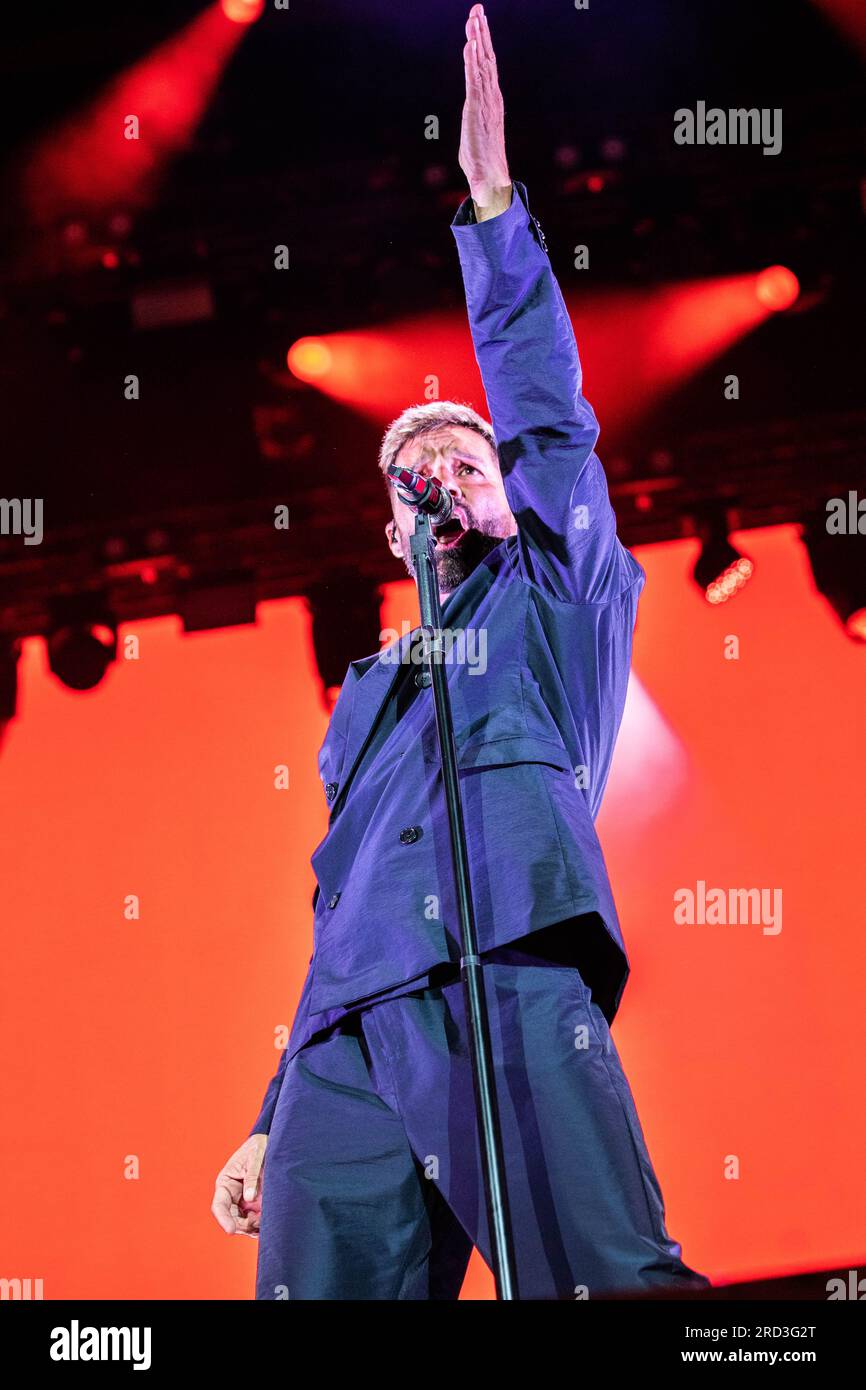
(482,136)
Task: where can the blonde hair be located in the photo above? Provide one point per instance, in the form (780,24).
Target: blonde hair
(426,419)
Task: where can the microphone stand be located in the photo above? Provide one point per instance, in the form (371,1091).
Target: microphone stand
(486,1107)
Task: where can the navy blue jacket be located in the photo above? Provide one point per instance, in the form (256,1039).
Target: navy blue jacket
(535,729)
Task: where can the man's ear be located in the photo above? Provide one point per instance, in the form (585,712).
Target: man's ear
(393,539)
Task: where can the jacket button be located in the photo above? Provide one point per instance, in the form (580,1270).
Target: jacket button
(423,679)
(410,834)
(330,790)
(333,900)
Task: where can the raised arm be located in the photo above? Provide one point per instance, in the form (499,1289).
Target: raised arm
(545,428)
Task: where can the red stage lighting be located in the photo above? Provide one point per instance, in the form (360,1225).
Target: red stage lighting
(114,151)
(309,359)
(777,288)
(850,17)
(242,11)
(856,625)
(74,233)
(636,346)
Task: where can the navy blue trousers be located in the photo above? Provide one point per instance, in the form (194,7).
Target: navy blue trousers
(372,1186)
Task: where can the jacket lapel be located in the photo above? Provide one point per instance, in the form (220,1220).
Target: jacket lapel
(375,680)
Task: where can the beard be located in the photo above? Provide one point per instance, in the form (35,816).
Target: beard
(457,562)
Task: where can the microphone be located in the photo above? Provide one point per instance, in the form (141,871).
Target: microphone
(422,494)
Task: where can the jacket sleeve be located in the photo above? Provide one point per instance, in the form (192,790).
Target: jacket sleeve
(545,428)
(265,1117)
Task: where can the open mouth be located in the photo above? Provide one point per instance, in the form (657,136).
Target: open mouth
(450,533)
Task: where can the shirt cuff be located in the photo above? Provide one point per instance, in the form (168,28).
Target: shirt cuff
(490,238)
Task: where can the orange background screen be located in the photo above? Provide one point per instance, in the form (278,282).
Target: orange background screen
(154,1037)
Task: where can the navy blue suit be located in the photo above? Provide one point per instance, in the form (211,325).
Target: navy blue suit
(373,1089)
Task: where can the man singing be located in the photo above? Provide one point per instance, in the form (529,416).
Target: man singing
(362,1173)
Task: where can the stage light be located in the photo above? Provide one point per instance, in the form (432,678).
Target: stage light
(567,156)
(856,625)
(720,570)
(243,11)
(640,344)
(86,165)
(120,225)
(838,563)
(613,148)
(731,580)
(80,653)
(74,233)
(777,288)
(309,359)
(435,176)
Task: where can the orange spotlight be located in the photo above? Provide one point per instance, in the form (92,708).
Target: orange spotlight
(379,373)
(636,345)
(309,359)
(777,288)
(856,625)
(242,11)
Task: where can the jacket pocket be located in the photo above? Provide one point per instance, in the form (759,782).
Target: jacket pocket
(512,748)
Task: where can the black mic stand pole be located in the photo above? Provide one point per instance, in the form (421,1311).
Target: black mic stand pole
(486,1107)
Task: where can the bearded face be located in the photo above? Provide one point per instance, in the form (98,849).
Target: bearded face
(468,467)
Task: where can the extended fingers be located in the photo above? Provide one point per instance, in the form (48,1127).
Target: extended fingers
(485,41)
(478,58)
(470,64)
(478,31)
(472,22)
